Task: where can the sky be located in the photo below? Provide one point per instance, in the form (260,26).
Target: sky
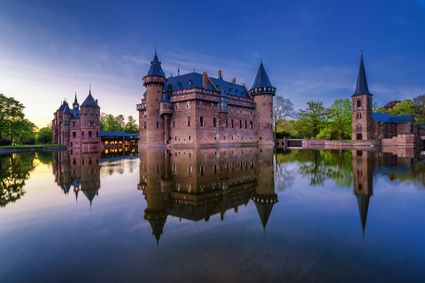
(51,49)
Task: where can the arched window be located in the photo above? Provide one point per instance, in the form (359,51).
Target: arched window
(359,103)
(359,116)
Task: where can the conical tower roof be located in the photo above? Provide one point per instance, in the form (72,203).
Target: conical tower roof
(157,226)
(90,102)
(363,204)
(261,79)
(361,87)
(155,69)
(264,210)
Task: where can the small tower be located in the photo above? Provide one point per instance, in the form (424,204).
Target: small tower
(151,124)
(263,92)
(75,105)
(89,123)
(362,121)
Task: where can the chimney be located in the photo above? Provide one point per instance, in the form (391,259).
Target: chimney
(220,74)
(233,80)
(204,80)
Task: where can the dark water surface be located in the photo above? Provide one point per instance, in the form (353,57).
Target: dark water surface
(232,215)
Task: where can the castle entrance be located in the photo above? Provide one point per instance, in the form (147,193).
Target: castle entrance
(359,137)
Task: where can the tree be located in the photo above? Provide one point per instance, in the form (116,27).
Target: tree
(131,125)
(419,108)
(312,118)
(282,108)
(404,107)
(44,135)
(14,128)
(339,118)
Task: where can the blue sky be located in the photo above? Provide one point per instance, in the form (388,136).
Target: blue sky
(50,49)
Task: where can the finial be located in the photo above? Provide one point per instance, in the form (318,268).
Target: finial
(261,57)
(178,70)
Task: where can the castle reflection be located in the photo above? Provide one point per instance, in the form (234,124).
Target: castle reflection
(79,171)
(195,184)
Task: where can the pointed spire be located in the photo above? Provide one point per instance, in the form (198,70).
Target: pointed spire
(90,101)
(363,204)
(155,69)
(75,104)
(264,210)
(361,87)
(262,84)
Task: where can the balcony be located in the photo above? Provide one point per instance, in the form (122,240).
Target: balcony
(165,108)
(141,106)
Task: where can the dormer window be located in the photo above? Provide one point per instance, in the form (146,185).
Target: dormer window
(190,82)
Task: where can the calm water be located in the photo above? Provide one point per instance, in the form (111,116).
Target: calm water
(235,215)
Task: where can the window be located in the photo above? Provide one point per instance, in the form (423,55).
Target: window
(359,116)
(246,124)
(89,134)
(177,106)
(188,121)
(240,124)
(359,128)
(74,134)
(214,122)
(144,125)
(250,124)
(201,121)
(74,124)
(82,134)
(174,123)
(187,104)
(359,103)
(233,124)
(190,137)
(157,124)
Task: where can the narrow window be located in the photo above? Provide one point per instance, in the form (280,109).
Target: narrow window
(188,121)
(174,123)
(240,124)
(74,134)
(201,121)
(359,103)
(246,124)
(233,124)
(250,124)
(144,124)
(214,122)
(157,124)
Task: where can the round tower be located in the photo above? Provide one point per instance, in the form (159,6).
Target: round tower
(151,123)
(263,91)
(89,123)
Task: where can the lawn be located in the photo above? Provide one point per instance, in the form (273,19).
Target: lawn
(30,146)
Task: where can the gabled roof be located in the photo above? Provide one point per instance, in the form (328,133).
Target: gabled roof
(361,87)
(261,79)
(155,68)
(194,80)
(90,102)
(388,118)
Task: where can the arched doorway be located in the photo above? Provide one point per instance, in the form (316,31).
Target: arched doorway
(359,137)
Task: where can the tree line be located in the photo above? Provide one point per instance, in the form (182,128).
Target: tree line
(333,122)
(109,122)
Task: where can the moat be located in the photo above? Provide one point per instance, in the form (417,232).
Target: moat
(229,215)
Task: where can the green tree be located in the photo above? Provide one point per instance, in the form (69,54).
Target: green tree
(14,128)
(404,107)
(419,108)
(44,135)
(339,118)
(311,119)
(131,125)
(283,108)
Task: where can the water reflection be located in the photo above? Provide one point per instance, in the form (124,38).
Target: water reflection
(196,184)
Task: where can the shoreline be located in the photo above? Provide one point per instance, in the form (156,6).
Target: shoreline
(31,148)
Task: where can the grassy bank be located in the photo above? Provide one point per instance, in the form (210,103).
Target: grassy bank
(30,146)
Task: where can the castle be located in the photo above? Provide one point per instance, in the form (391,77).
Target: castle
(77,127)
(376,128)
(198,110)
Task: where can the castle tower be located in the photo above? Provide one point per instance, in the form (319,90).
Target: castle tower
(363,166)
(362,121)
(151,124)
(89,123)
(263,92)
(265,196)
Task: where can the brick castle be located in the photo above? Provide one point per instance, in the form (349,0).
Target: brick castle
(77,127)
(195,109)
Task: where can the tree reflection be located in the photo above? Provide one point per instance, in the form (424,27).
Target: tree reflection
(15,169)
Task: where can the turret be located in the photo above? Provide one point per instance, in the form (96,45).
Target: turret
(362,121)
(263,91)
(151,122)
(75,105)
(89,123)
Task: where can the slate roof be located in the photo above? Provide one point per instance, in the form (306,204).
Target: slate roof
(66,108)
(388,118)
(90,102)
(155,69)
(361,87)
(116,134)
(261,79)
(194,80)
